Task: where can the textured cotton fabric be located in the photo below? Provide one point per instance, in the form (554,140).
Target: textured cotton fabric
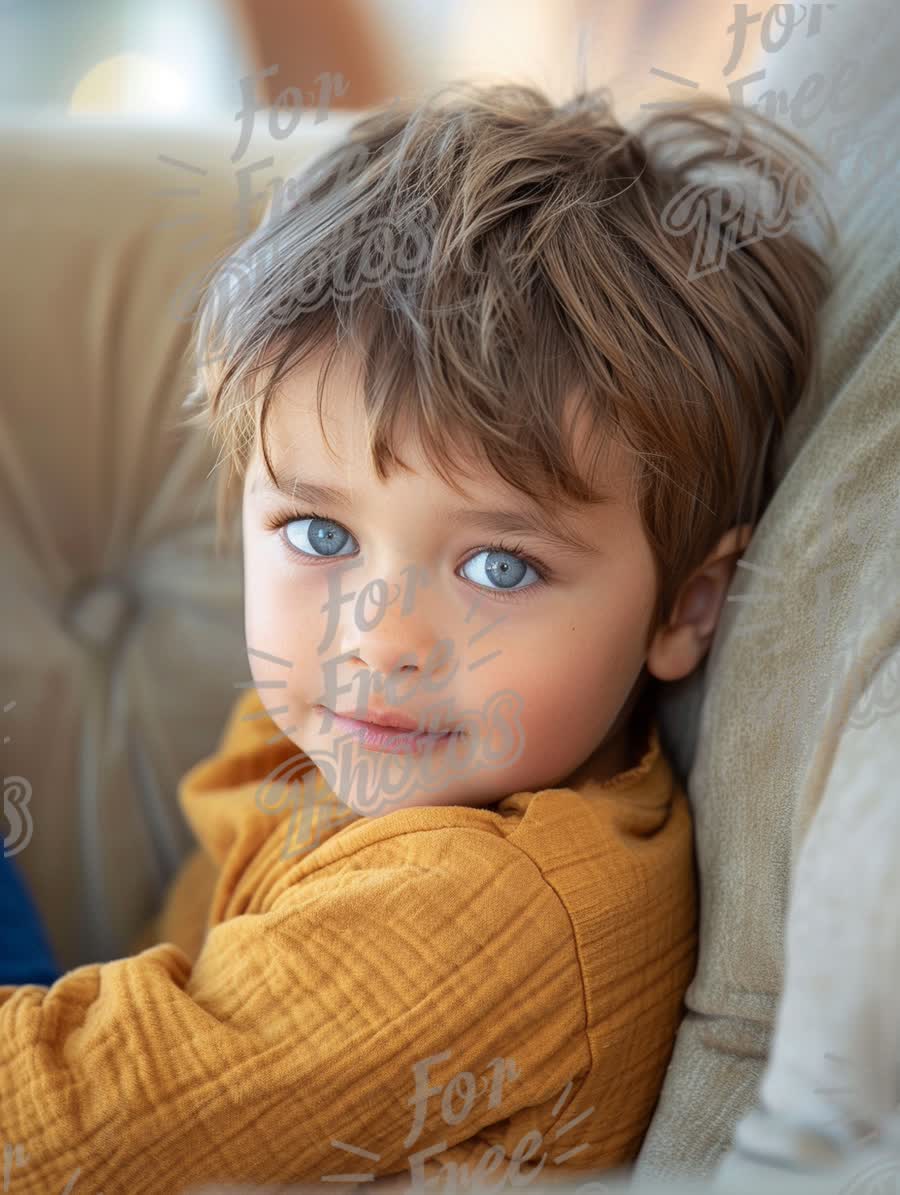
(522,965)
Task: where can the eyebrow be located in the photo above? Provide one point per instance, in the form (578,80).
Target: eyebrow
(534,521)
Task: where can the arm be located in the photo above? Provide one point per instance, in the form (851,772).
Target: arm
(299,1027)
(183,917)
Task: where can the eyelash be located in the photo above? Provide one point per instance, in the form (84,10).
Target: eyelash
(279,519)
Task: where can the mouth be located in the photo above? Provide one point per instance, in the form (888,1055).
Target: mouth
(378,736)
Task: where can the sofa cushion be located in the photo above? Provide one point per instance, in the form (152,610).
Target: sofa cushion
(123,629)
(804,648)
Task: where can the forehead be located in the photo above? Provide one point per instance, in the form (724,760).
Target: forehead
(296,444)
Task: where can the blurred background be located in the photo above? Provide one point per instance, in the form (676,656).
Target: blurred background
(184,59)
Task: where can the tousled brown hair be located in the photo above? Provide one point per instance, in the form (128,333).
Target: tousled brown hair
(488,254)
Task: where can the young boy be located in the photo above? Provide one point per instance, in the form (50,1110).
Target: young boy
(498,448)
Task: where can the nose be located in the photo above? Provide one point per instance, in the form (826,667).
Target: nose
(388,635)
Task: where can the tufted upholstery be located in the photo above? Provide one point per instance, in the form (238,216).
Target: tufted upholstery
(122,630)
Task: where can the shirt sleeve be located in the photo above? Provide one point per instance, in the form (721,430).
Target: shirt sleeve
(320,1037)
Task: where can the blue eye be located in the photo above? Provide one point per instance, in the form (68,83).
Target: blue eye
(324,536)
(501,569)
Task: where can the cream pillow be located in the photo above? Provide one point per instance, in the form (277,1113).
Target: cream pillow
(804,664)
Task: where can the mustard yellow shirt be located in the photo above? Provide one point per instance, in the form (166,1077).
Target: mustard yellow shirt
(436,991)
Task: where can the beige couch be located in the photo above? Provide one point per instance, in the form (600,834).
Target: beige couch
(123,633)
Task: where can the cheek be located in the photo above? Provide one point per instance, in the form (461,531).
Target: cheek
(576,671)
(547,676)
(262,586)
(570,687)
(280,611)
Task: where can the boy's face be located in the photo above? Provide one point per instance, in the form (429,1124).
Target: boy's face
(428,622)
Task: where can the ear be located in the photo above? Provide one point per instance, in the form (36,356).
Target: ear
(678,647)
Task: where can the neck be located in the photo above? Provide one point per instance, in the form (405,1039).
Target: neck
(605,761)
(626,742)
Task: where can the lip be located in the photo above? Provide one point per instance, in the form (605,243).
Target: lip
(376,736)
(392,721)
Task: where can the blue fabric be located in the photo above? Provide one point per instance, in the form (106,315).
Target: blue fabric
(25,953)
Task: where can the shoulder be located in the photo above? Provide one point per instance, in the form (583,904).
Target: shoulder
(441,871)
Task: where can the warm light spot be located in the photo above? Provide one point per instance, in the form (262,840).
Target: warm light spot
(130,83)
